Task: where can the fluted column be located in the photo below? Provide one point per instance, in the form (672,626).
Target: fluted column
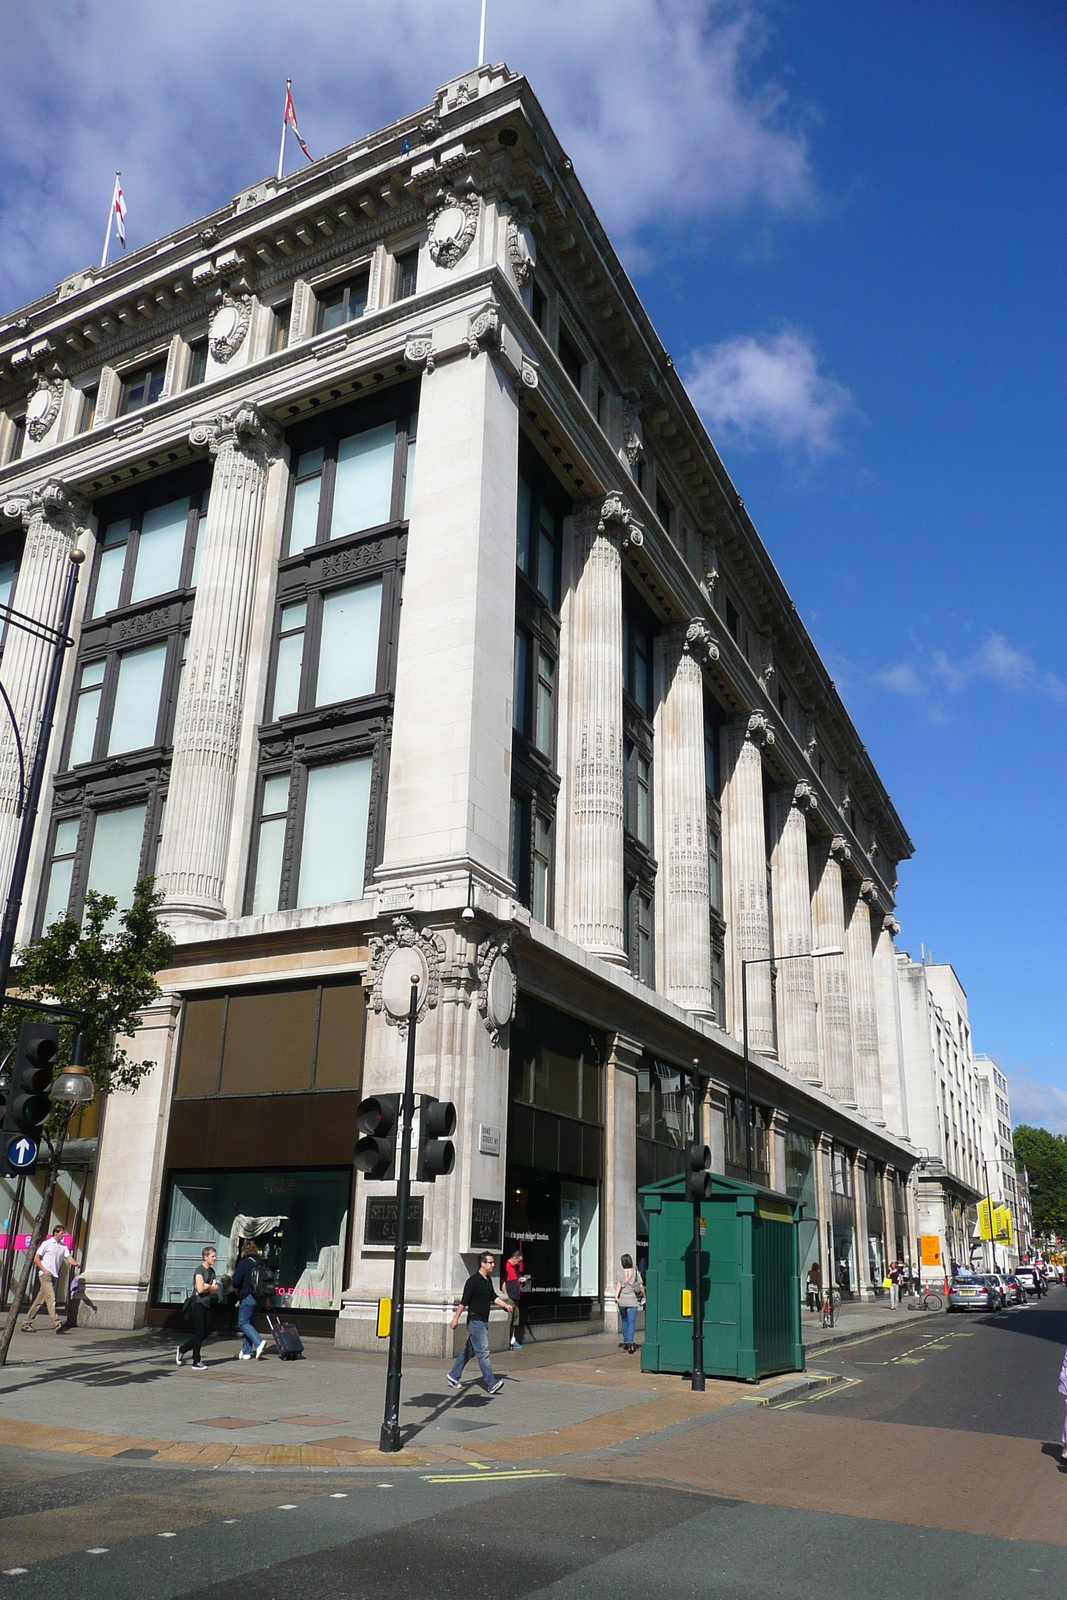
(860,956)
(595,907)
(683,893)
(890,1039)
(203,773)
(53,518)
(798,1041)
(831,972)
(744,846)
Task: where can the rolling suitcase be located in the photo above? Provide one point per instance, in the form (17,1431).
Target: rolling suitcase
(288,1342)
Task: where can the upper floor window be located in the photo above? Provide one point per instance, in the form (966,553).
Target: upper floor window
(539,306)
(150,551)
(538,535)
(407,270)
(281,318)
(570,358)
(664,512)
(343,302)
(87,409)
(328,648)
(17,437)
(350,476)
(197,364)
(637,660)
(142,388)
(105,849)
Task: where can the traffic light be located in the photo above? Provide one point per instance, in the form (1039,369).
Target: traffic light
(437,1153)
(377,1120)
(28,1103)
(699,1173)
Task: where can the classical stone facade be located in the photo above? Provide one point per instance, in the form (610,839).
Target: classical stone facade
(420,613)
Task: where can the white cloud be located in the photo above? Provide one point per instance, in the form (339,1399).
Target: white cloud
(1041,1105)
(928,676)
(660,106)
(756,390)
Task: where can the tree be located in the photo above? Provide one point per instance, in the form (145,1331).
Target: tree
(1044,1155)
(110,974)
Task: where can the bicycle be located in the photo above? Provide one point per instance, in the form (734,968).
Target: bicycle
(926,1300)
(831,1304)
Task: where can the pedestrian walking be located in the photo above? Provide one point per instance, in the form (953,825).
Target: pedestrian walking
(479,1297)
(49,1263)
(629,1294)
(894,1285)
(253,1284)
(198,1308)
(515,1281)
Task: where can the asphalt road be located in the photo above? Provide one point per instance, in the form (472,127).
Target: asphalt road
(763,1505)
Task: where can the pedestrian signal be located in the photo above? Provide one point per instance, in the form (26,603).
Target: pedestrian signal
(377,1120)
(699,1173)
(437,1153)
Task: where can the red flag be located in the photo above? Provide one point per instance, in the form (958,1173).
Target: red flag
(290,118)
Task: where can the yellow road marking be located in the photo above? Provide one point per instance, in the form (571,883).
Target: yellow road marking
(470,1477)
(826,1394)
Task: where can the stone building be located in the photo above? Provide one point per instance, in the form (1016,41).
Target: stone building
(944,1109)
(999,1176)
(421,613)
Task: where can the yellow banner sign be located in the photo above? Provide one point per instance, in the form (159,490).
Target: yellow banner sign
(930,1249)
(984,1225)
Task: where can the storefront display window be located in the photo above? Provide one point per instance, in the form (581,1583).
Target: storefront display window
(800,1185)
(555,1158)
(299,1218)
(664,1125)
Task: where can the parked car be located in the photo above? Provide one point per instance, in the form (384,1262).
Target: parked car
(996,1282)
(1016,1292)
(973,1292)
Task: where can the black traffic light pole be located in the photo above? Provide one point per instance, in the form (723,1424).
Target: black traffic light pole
(389,1442)
(61,642)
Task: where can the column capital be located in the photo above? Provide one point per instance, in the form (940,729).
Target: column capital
(699,641)
(63,509)
(611,515)
(839,848)
(804,797)
(759,730)
(891,926)
(247,429)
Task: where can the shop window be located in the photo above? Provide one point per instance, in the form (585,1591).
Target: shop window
(142,388)
(736,1148)
(271,1041)
(343,302)
(298,1218)
(841,1172)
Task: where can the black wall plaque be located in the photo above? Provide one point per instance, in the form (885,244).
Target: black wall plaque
(379,1224)
(487,1225)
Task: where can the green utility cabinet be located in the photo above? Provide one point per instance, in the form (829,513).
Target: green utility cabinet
(750,1280)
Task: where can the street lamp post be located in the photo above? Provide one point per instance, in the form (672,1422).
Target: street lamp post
(756,961)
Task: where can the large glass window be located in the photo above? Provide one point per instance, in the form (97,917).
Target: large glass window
(364,483)
(114,865)
(122,702)
(334,848)
(137,696)
(348,643)
(351,474)
(149,553)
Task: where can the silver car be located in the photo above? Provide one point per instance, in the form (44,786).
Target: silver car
(973,1292)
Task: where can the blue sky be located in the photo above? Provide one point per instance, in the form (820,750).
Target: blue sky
(848,224)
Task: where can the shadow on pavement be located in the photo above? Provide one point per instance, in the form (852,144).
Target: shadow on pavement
(1034,1322)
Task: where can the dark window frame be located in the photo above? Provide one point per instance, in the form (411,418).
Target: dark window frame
(325,300)
(280,326)
(149,373)
(148,789)
(571,357)
(405,274)
(194,482)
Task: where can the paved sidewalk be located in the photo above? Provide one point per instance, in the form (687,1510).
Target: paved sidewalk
(97,1392)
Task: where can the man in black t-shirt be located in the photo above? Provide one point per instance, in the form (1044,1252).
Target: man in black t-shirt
(479,1297)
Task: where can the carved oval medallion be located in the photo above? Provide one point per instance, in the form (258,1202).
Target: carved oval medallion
(500,993)
(405,963)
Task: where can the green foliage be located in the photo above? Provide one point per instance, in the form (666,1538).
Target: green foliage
(1044,1155)
(94,966)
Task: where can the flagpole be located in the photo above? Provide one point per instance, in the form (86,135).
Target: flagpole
(481,39)
(110,220)
(281,147)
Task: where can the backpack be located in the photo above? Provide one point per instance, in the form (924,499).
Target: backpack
(262,1279)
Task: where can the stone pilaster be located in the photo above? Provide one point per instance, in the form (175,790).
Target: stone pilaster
(798,1042)
(860,957)
(890,1037)
(53,518)
(683,895)
(831,972)
(196,838)
(595,909)
(745,878)
(863,1285)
